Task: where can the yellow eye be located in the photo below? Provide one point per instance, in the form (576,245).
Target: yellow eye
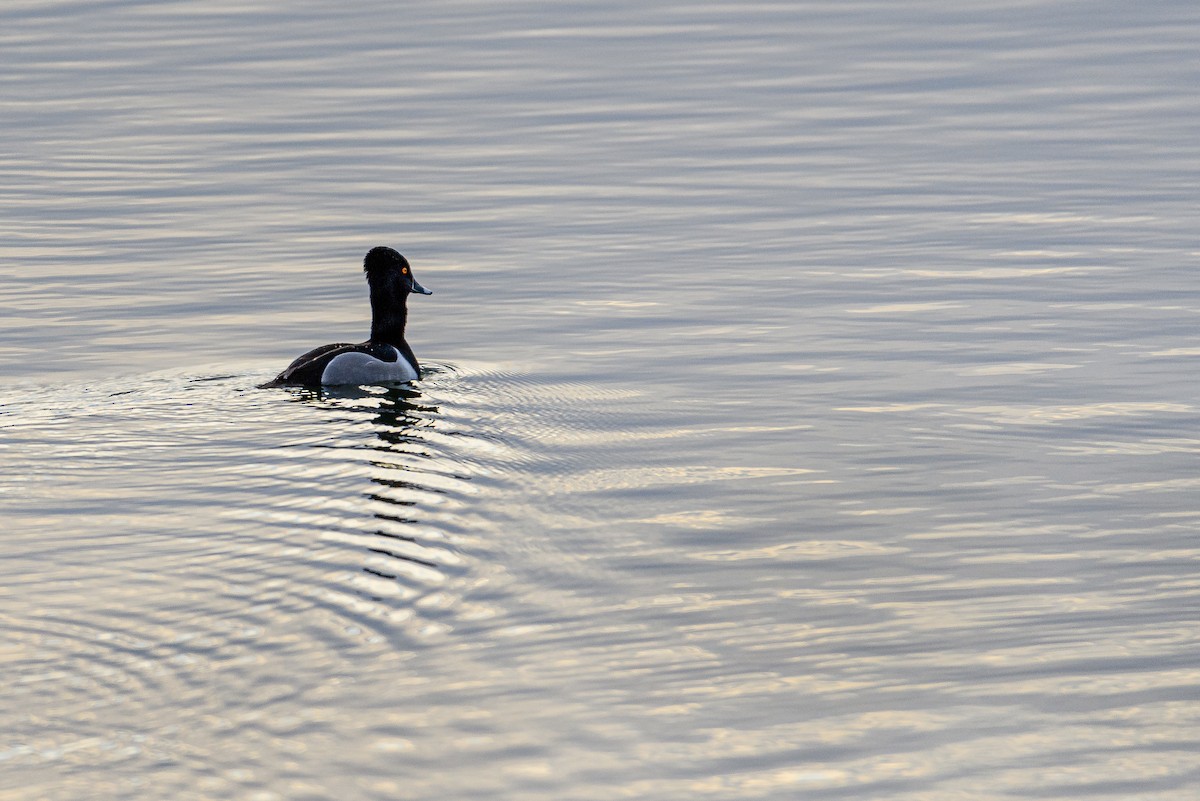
(404,270)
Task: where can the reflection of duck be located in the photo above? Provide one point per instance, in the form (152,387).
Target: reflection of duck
(401,556)
(395,457)
(386,356)
(396,408)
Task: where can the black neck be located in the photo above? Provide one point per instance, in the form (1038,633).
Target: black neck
(389,313)
(388,317)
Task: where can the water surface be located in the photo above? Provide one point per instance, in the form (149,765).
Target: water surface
(811,407)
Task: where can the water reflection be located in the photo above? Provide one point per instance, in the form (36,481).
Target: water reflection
(406,558)
(853,450)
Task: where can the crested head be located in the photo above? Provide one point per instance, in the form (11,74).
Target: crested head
(382,260)
(389,274)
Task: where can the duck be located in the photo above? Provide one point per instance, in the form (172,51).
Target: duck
(385,357)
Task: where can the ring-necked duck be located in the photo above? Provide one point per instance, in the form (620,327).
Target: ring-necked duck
(383,358)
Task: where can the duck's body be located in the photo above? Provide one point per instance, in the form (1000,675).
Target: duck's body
(386,356)
(365,363)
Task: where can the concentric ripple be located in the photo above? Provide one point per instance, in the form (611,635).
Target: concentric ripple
(192,543)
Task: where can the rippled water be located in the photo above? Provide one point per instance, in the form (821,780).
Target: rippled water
(812,408)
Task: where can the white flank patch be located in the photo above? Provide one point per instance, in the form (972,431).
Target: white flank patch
(362,368)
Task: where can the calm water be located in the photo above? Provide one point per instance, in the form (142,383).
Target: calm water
(812,411)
